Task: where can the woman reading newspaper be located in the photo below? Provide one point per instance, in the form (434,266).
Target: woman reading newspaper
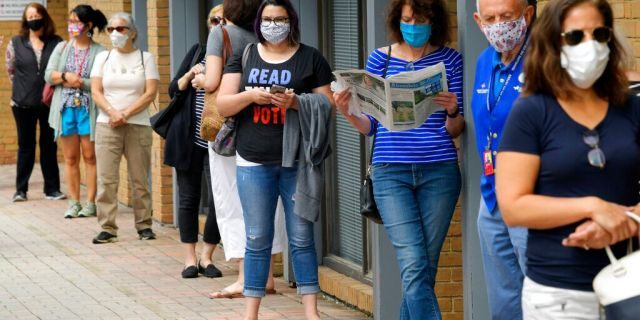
(416,179)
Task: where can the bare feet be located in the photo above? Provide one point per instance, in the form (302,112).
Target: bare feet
(234,290)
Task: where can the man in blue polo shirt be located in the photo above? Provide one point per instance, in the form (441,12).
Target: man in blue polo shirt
(498,84)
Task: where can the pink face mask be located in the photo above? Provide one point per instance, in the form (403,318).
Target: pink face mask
(504,36)
(75,29)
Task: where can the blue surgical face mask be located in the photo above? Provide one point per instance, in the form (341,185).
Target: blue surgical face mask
(415,35)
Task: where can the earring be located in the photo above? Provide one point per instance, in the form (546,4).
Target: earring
(89,34)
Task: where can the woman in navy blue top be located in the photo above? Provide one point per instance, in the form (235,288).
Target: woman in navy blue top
(415,173)
(569,158)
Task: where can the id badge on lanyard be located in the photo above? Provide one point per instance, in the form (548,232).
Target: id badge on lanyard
(487,159)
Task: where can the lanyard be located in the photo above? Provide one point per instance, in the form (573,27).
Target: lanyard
(506,83)
(75,54)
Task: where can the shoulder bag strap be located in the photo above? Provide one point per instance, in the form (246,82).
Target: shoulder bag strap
(375,133)
(227,50)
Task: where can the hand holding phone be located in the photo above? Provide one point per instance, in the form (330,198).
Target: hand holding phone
(277,89)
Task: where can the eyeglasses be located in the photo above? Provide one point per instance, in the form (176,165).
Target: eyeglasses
(278,21)
(215,20)
(596,155)
(574,37)
(120,29)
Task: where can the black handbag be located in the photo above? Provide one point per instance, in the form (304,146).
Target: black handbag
(368,207)
(161,121)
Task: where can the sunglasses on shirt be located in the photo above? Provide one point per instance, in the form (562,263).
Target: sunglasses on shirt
(595,156)
(119,29)
(574,37)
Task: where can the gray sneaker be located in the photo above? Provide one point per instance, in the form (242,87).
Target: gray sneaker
(89,210)
(74,208)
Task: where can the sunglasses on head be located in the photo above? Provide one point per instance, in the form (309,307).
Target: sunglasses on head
(216,20)
(574,37)
(119,29)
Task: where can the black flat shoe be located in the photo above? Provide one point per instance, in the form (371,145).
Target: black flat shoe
(190,272)
(210,271)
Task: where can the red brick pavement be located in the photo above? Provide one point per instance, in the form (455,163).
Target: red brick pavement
(49,269)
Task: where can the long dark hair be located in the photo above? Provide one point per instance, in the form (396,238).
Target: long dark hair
(241,12)
(294,33)
(86,14)
(48,27)
(544,73)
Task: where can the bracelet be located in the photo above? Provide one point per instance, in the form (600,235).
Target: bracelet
(455,114)
(63,77)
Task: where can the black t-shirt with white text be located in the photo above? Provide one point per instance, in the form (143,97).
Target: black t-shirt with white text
(260,127)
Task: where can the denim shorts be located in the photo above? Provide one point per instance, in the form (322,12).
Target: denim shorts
(75,120)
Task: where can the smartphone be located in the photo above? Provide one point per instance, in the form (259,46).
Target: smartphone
(277,89)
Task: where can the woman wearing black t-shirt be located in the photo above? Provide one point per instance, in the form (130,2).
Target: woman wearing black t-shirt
(279,59)
(567,168)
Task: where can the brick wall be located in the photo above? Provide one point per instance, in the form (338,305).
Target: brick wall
(158,19)
(8,139)
(158,24)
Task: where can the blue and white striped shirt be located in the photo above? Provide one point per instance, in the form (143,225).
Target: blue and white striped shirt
(198,117)
(430,142)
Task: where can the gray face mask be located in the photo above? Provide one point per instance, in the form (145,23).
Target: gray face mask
(275,34)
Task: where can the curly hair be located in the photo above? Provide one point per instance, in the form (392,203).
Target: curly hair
(434,10)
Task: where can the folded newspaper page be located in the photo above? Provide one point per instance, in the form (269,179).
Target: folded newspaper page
(400,102)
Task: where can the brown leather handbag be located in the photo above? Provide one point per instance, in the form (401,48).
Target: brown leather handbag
(212,120)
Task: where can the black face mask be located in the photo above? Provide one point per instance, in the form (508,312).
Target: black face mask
(35,25)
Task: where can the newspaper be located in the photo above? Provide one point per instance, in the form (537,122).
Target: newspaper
(400,102)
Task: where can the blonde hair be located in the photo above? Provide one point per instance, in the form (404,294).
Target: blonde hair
(215,11)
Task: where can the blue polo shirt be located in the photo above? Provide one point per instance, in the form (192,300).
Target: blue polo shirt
(496,88)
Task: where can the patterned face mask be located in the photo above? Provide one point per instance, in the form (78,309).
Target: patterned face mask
(504,36)
(275,33)
(75,29)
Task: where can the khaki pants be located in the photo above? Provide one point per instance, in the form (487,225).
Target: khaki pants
(134,142)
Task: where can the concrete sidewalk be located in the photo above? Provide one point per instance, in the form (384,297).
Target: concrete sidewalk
(49,269)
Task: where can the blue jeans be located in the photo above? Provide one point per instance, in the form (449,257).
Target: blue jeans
(259,188)
(503,257)
(416,202)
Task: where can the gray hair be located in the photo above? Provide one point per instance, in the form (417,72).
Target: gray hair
(524,4)
(128,19)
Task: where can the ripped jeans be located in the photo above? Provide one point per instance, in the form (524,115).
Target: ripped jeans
(259,188)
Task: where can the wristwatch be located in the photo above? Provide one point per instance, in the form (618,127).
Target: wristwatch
(454,114)
(63,77)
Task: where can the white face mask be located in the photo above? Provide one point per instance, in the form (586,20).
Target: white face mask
(585,62)
(118,40)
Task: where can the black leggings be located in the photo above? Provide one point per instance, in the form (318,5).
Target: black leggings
(189,191)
